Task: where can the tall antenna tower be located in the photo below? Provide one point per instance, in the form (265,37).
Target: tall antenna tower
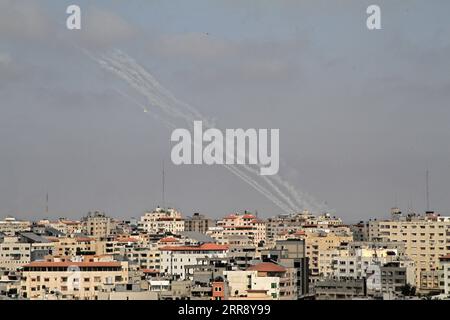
(428,189)
(46,205)
(163,187)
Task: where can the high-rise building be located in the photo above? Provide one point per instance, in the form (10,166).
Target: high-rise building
(291,254)
(197,223)
(162,221)
(97,224)
(426,239)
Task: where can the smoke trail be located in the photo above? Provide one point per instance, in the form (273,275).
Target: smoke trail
(142,81)
(232,169)
(258,188)
(146,110)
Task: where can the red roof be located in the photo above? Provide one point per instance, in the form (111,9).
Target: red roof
(248,216)
(150,271)
(203,247)
(267,267)
(66,264)
(168,239)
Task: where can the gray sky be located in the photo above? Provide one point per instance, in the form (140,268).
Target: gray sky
(362,114)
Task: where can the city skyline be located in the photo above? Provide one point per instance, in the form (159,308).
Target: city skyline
(362,114)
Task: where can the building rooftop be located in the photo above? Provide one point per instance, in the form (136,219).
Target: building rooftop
(67,264)
(267,267)
(202,247)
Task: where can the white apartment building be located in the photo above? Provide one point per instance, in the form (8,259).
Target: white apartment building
(368,263)
(175,258)
(268,280)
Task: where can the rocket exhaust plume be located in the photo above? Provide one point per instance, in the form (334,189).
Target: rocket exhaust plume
(280,192)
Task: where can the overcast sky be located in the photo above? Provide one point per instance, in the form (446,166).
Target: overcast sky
(362,114)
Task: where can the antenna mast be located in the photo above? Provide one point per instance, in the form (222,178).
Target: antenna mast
(428,190)
(163,186)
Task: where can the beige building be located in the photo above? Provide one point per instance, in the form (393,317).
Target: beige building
(97,224)
(14,254)
(426,238)
(76,246)
(197,223)
(71,280)
(237,224)
(9,226)
(162,221)
(321,248)
(444,282)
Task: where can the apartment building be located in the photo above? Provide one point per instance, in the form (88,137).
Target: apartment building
(162,221)
(146,258)
(444,275)
(197,223)
(14,254)
(355,263)
(360,231)
(67,227)
(10,226)
(274,281)
(75,246)
(426,239)
(97,224)
(291,223)
(174,259)
(243,225)
(291,254)
(321,246)
(71,280)
(19,250)
(334,289)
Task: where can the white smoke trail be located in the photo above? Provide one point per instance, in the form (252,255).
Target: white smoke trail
(232,169)
(135,79)
(142,81)
(146,110)
(258,188)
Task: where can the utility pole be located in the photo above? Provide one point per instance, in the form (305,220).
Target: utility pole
(428,189)
(163,187)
